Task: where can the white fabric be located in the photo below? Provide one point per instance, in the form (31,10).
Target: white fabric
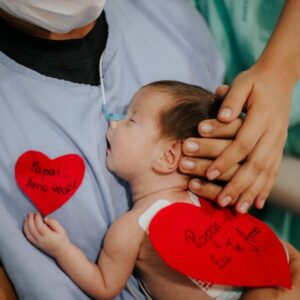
(60,16)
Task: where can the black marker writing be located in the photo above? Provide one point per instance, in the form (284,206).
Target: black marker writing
(200,240)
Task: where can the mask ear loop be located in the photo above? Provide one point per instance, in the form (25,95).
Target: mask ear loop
(109,116)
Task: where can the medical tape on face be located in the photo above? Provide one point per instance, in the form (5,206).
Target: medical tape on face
(109,116)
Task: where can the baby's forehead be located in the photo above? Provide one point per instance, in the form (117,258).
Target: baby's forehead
(148,97)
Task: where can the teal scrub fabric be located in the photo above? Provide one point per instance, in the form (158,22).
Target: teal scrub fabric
(241,29)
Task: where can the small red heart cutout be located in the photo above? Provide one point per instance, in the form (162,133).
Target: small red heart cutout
(217,245)
(49,183)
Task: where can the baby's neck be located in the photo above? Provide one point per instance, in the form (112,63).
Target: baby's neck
(169,187)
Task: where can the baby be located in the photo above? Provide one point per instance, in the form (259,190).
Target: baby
(144,149)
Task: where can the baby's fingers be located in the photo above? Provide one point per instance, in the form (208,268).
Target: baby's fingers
(40,226)
(54,225)
(27,232)
(32,226)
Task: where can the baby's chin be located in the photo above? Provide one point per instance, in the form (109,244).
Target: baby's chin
(113,169)
(109,165)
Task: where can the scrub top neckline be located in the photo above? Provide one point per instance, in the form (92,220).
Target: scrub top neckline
(108,56)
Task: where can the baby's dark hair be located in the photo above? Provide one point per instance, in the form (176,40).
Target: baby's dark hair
(189,105)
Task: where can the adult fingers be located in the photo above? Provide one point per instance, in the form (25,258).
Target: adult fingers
(198,167)
(235,99)
(247,197)
(222,90)
(253,175)
(250,174)
(294,261)
(240,148)
(213,128)
(204,189)
(204,148)
(264,193)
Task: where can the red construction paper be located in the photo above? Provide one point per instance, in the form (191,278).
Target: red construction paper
(220,246)
(49,183)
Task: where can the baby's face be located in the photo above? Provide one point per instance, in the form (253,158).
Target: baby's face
(135,141)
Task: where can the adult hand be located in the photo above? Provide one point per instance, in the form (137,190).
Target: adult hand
(258,144)
(281,293)
(200,153)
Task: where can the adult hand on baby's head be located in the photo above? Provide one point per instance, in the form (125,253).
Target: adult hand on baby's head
(200,153)
(47,235)
(258,142)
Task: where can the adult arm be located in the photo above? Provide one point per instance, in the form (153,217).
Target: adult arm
(7,291)
(264,91)
(103,280)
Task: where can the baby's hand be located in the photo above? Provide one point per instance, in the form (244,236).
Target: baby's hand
(47,235)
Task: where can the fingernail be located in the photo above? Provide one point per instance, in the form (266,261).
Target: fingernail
(195,184)
(206,127)
(187,164)
(192,146)
(244,207)
(225,201)
(213,174)
(225,113)
(262,203)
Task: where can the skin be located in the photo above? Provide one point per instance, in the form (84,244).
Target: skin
(6,288)
(264,92)
(152,178)
(149,163)
(219,129)
(281,293)
(42,33)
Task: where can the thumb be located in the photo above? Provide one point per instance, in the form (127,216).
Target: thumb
(234,101)
(222,90)
(294,260)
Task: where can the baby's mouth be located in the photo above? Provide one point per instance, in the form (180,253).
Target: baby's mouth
(108,148)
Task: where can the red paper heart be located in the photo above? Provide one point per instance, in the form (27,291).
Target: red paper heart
(220,246)
(49,183)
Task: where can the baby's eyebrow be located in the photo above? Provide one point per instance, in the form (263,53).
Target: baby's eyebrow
(133,110)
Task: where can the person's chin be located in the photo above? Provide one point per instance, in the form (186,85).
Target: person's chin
(109,164)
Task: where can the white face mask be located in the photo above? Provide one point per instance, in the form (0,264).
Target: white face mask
(59,16)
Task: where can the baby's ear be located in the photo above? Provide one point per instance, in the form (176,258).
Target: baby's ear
(168,160)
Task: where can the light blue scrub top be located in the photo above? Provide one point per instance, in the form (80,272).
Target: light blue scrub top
(148,40)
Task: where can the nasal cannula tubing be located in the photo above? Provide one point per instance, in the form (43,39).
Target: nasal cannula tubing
(109,116)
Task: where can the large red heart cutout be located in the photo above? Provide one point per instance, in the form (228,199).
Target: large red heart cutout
(49,183)
(220,246)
